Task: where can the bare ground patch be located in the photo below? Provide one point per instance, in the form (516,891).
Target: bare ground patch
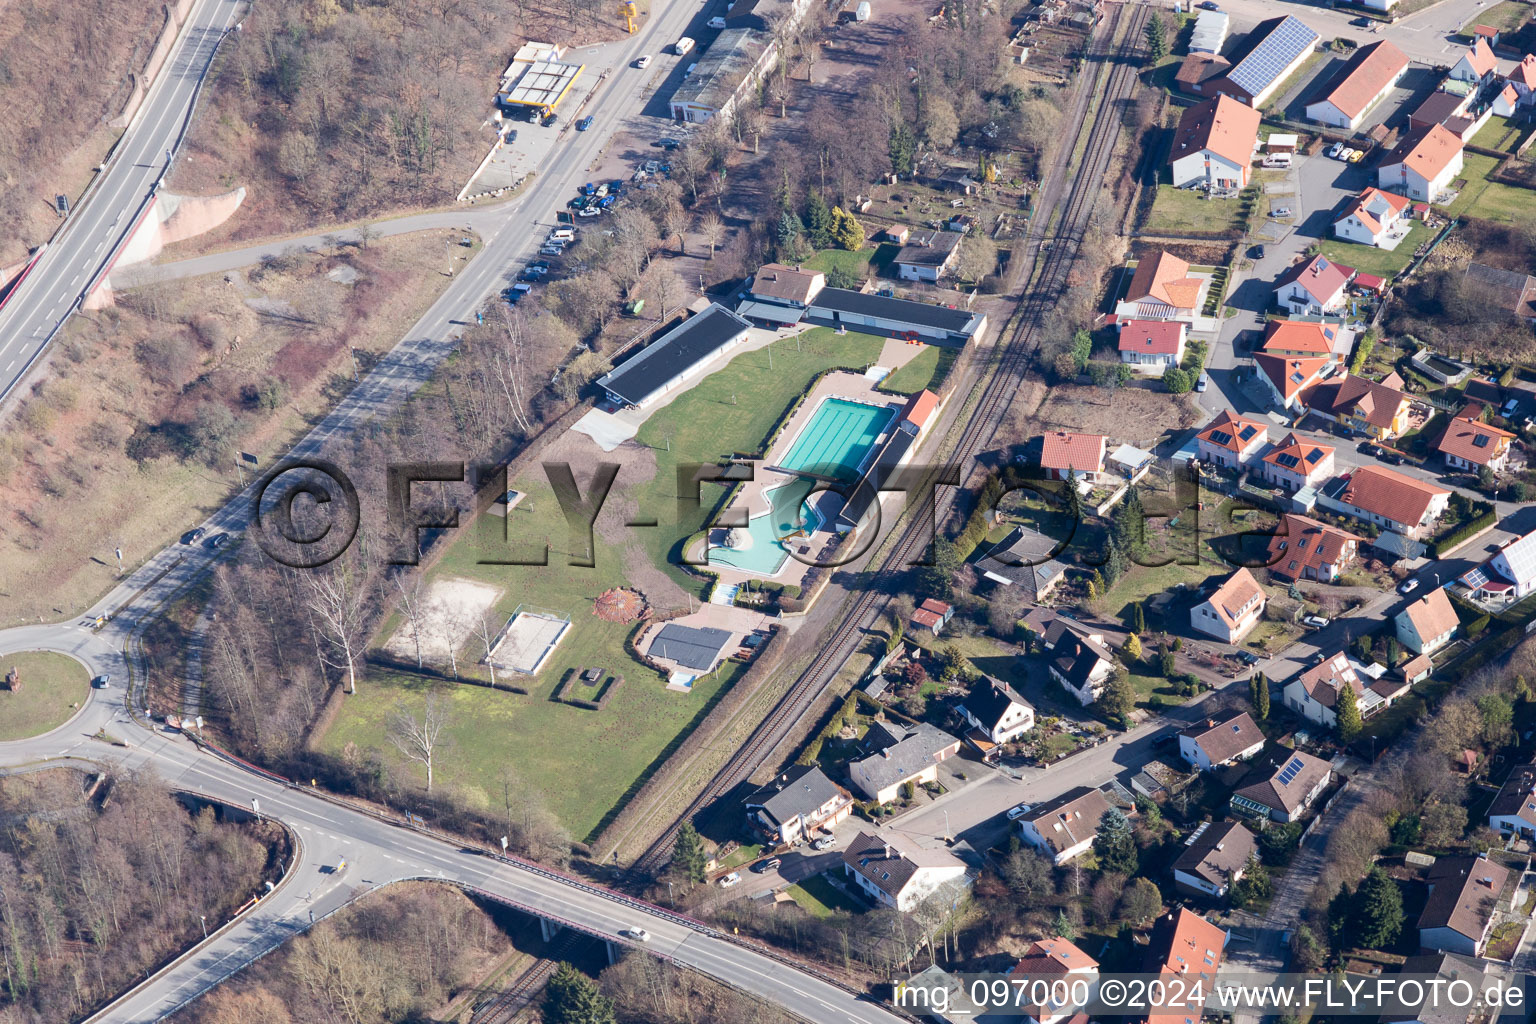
(1138,415)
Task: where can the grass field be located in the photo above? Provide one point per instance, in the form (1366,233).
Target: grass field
(819,899)
(1490,200)
(1505,17)
(1181,210)
(1370,260)
(52,688)
(1498,133)
(584,760)
(928,370)
(869,261)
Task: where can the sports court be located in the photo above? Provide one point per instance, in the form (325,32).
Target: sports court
(528,641)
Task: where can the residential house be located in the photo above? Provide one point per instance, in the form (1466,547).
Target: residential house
(1199,72)
(1305,549)
(1080,662)
(1232,610)
(1080,456)
(893,870)
(996,713)
(1215,857)
(1481,986)
(1297,462)
(1452,109)
(1463,894)
(1027,559)
(1375,218)
(1512,292)
(1399,503)
(928,255)
(1513,811)
(1523,80)
(1275,49)
(1377,409)
(1305,339)
(1151,346)
(1065,827)
(1314,693)
(1469,443)
(1515,402)
(1162,288)
(1282,788)
(1422,165)
(1213,145)
(1364,81)
(1427,624)
(1508,576)
(1186,949)
(932,615)
(1314,286)
(1506,101)
(1056,958)
(1294,356)
(902,754)
(794,805)
(1476,66)
(1221,741)
(787,286)
(1230,441)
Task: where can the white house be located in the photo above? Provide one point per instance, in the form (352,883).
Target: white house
(1513,811)
(996,711)
(1314,286)
(1523,80)
(1506,577)
(1232,610)
(1392,500)
(1297,462)
(1065,827)
(1427,624)
(1214,858)
(1283,790)
(893,870)
(1314,693)
(1375,218)
(1364,81)
(902,755)
(1055,957)
(1151,346)
(928,255)
(1463,901)
(1162,288)
(1080,661)
(1477,65)
(1214,143)
(1230,441)
(1422,165)
(1221,741)
(796,803)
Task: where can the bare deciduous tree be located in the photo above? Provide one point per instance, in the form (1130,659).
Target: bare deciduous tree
(338,600)
(712,228)
(420,738)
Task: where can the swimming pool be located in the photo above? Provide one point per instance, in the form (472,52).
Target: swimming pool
(837,439)
(766,555)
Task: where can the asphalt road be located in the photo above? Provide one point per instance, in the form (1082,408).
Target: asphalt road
(68,268)
(1424,35)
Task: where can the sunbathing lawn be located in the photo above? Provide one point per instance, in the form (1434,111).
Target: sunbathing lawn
(927,370)
(1498,133)
(1370,260)
(870,261)
(1182,210)
(1490,200)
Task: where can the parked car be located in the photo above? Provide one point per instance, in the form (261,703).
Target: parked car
(1315,621)
(511,136)
(1363,22)
(1017,812)
(102,681)
(552,250)
(734,878)
(590,211)
(550,120)
(1336,149)
(824,843)
(578,203)
(1257,252)
(606,201)
(561,234)
(1408,586)
(1203,383)
(1210,5)
(1356,155)
(642,62)
(764,866)
(193,536)
(588,189)
(668,144)
(1280,212)
(682,46)
(584,123)
(1248,658)
(639,934)
(716,22)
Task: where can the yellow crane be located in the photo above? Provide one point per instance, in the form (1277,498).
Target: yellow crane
(629,11)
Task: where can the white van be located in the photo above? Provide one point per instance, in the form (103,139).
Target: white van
(562,235)
(717,22)
(682,46)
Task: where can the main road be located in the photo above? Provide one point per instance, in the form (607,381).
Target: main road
(68,268)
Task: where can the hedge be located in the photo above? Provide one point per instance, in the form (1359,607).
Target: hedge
(1472,526)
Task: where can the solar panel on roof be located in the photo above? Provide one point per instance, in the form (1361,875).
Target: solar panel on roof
(1272,56)
(1245,433)
(1314,454)
(1480,441)
(1322,264)
(1287,461)
(1221,437)
(1328,333)
(1290,771)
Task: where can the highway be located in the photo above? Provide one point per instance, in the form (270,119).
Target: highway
(68,268)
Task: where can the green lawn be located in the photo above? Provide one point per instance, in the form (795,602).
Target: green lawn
(1499,133)
(1505,17)
(1489,200)
(1181,210)
(868,262)
(819,899)
(927,370)
(52,688)
(1370,260)
(1204,533)
(584,761)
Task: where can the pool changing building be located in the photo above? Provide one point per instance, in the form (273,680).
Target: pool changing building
(781,296)
(668,361)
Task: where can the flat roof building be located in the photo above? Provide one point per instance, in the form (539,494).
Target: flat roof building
(666,362)
(732,61)
(541,85)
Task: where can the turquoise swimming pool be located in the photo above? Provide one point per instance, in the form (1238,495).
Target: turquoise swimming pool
(837,439)
(766,554)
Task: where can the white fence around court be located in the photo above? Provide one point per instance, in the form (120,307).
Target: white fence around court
(528,639)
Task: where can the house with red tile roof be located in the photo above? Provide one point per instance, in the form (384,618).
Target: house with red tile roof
(1232,610)
(1314,285)
(1469,443)
(1463,904)
(1391,500)
(1364,81)
(1053,958)
(1427,624)
(1523,78)
(1305,338)
(1297,462)
(1305,549)
(1079,455)
(1507,100)
(1290,378)
(1162,288)
(1214,143)
(1375,218)
(1487,33)
(1314,693)
(932,615)
(1188,951)
(1151,346)
(1230,441)
(1282,786)
(1422,165)
(1477,64)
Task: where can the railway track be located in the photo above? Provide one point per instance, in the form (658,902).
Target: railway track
(516,997)
(1118,67)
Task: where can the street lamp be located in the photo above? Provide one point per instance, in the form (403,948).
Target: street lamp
(204,919)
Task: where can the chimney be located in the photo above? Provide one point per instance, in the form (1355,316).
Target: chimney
(887,851)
